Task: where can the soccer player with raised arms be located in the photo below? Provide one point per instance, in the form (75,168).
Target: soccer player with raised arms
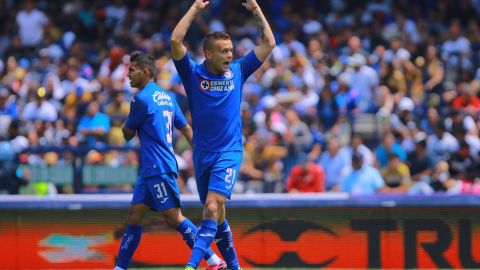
(153,114)
(214,90)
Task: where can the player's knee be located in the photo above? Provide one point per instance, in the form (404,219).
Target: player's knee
(173,218)
(171,221)
(210,210)
(134,218)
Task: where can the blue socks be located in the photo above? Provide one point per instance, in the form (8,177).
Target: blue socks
(130,241)
(189,232)
(224,239)
(205,237)
(133,234)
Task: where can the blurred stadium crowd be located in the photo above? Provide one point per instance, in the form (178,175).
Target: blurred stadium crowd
(358,96)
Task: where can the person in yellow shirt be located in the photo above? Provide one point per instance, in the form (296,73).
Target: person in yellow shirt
(396,175)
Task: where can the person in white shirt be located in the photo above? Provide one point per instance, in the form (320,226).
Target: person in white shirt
(357,146)
(31,23)
(364,80)
(336,161)
(39,109)
(441,144)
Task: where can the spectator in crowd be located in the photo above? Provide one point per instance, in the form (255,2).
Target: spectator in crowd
(366,82)
(363,178)
(298,138)
(11,178)
(8,106)
(113,70)
(335,161)
(456,52)
(441,144)
(357,146)
(396,175)
(73,85)
(433,71)
(419,162)
(31,23)
(308,177)
(56,134)
(388,146)
(327,109)
(473,142)
(94,126)
(403,121)
(40,108)
(8,110)
(117,110)
(462,165)
(467,99)
(457,121)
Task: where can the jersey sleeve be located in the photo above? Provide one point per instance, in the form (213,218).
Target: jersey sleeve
(185,68)
(249,64)
(179,120)
(138,113)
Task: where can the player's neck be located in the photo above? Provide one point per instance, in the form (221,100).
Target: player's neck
(140,88)
(211,69)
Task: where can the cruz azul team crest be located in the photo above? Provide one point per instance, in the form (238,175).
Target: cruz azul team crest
(205,85)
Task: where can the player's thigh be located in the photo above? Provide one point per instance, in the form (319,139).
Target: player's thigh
(136,212)
(140,202)
(224,173)
(164,192)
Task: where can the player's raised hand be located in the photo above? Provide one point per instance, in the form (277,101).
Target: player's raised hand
(250,5)
(200,4)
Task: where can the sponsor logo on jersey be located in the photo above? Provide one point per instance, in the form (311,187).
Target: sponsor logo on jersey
(217,85)
(162,99)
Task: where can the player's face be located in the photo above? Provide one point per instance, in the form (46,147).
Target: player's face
(136,75)
(220,55)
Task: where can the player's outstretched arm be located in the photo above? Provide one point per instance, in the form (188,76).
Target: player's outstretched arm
(178,34)
(267,41)
(188,133)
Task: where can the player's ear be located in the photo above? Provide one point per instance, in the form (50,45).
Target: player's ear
(146,72)
(208,54)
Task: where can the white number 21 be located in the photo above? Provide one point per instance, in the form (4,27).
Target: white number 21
(230,177)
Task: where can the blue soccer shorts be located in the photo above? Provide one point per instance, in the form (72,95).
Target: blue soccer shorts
(216,171)
(159,192)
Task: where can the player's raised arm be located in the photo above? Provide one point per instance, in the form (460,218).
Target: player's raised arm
(178,34)
(267,41)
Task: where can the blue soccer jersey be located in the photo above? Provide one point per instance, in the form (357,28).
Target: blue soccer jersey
(153,114)
(214,101)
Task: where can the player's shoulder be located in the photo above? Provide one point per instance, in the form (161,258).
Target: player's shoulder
(139,97)
(237,61)
(142,97)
